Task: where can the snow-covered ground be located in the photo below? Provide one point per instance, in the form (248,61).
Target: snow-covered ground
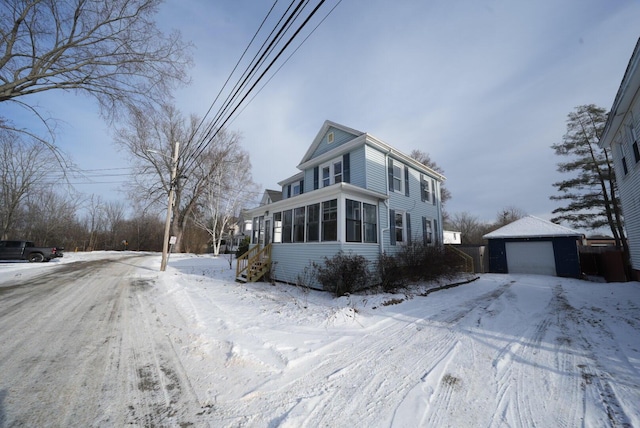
(503,350)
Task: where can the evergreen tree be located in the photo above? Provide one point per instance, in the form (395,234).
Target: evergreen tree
(590,194)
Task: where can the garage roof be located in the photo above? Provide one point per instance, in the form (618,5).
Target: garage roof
(531,227)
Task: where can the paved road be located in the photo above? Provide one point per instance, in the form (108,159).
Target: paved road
(81,345)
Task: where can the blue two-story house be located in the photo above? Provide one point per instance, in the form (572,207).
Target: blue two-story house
(354,193)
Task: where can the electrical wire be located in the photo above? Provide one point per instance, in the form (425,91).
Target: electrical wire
(222,117)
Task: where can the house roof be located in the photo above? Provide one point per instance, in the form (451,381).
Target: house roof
(274,195)
(359,139)
(531,227)
(626,92)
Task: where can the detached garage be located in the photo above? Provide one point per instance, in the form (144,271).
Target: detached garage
(534,246)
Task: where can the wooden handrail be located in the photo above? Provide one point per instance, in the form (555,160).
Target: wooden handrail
(468,260)
(254,263)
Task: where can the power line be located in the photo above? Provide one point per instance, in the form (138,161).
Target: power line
(222,117)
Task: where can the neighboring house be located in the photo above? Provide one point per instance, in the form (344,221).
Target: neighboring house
(452,237)
(354,193)
(535,246)
(622,135)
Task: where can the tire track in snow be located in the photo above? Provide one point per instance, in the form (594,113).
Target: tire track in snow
(348,378)
(88,353)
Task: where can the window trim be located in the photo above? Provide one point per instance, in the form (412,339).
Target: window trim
(324,222)
(330,168)
(277,227)
(403,226)
(309,225)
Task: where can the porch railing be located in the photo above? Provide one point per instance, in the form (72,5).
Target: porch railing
(467,260)
(252,265)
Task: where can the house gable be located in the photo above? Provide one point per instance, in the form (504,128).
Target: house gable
(330,136)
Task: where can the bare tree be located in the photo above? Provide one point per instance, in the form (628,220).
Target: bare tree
(111,50)
(94,221)
(24,166)
(508,215)
(150,137)
(115,218)
(227,190)
(52,217)
(425,159)
(470,227)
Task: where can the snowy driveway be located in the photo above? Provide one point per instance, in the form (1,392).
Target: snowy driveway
(118,343)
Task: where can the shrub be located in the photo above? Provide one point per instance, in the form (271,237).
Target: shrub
(343,273)
(243,246)
(389,270)
(426,262)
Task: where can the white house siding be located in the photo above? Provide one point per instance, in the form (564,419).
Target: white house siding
(629,184)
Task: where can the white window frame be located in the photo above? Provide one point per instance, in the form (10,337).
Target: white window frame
(404,227)
(331,168)
(399,167)
(295,188)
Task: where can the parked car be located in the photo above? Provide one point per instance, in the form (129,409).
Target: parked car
(27,250)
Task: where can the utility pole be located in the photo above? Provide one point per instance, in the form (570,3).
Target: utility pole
(167,225)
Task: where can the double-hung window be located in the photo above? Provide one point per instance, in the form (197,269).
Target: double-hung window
(398,223)
(623,157)
(332,173)
(427,230)
(634,143)
(397,178)
(337,172)
(425,190)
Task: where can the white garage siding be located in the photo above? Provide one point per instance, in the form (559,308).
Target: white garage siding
(531,257)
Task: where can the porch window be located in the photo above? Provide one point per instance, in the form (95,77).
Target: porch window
(354,221)
(277,227)
(254,231)
(313,223)
(370,223)
(330,220)
(257,235)
(287,225)
(298,225)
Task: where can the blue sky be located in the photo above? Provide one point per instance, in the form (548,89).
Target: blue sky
(484,87)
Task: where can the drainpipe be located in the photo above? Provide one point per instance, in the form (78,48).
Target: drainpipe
(386,201)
